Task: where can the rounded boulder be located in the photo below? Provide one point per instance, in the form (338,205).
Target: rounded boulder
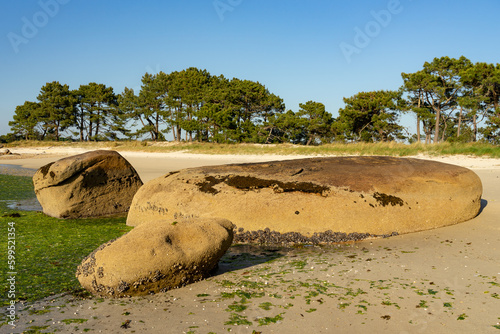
(155,257)
(91,184)
(374,195)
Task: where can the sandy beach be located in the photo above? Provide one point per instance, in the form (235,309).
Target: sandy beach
(438,281)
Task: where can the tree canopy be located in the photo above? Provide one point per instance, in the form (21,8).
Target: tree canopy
(371,116)
(450,98)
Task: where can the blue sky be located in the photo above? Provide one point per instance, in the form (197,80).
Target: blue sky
(300,50)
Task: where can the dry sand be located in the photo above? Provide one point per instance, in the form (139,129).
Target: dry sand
(439,281)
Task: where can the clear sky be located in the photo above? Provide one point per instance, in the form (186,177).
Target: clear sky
(301,50)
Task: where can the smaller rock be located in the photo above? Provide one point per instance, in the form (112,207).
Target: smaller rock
(92,184)
(156,256)
(5,151)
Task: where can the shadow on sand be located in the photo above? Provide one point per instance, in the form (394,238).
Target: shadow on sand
(240,256)
(484,204)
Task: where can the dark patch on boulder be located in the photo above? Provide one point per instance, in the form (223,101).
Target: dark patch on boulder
(172,173)
(384,199)
(297,173)
(45,169)
(94,178)
(250,183)
(208,185)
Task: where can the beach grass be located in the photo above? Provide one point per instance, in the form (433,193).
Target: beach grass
(47,250)
(385,148)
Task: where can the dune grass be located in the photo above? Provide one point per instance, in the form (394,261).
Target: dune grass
(387,148)
(47,250)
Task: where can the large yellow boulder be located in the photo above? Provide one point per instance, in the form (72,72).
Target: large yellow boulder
(368,195)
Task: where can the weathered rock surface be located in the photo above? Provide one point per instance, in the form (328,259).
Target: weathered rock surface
(374,195)
(156,257)
(91,184)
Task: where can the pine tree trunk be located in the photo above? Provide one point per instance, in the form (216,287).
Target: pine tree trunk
(179,132)
(91,129)
(444,130)
(436,129)
(82,120)
(157,127)
(418,129)
(96,128)
(418,122)
(174,134)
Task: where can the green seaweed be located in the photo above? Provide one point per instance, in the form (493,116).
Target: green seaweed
(270,320)
(48,250)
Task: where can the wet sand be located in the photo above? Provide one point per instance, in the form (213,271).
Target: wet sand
(440,281)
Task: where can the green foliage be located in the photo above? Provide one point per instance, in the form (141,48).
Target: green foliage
(26,120)
(96,115)
(287,127)
(56,109)
(371,116)
(449,97)
(316,122)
